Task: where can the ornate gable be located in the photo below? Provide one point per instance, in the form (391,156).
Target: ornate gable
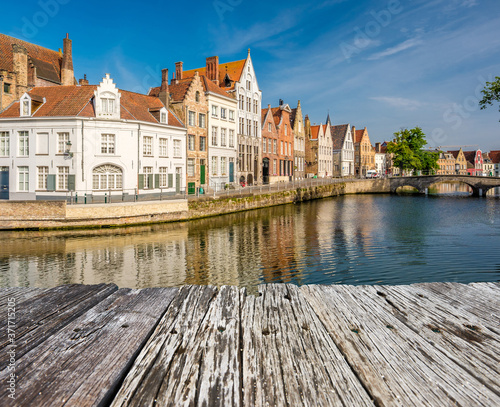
(107,99)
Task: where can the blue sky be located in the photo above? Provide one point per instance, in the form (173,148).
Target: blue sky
(384,65)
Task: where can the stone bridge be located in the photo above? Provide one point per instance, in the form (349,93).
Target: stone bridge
(479,185)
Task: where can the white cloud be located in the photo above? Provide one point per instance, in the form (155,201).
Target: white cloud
(412,42)
(406,104)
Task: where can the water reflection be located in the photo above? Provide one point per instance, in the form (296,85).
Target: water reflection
(352,240)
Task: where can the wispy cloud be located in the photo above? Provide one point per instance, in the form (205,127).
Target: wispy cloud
(407,104)
(412,42)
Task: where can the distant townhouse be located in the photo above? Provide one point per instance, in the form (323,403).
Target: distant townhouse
(281,116)
(495,159)
(460,162)
(391,170)
(270,139)
(474,162)
(364,153)
(90,140)
(488,166)
(446,163)
(380,160)
(24,65)
(299,144)
(343,150)
(311,153)
(323,135)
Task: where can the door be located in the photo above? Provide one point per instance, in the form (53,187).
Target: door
(231,171)
(202,174)
(265,171)
(4,183)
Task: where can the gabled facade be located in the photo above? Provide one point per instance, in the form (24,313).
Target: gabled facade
(311,153)
(460,160)
(325,159)
(281,116)
(90,141)
(239,79)
(488,166)
(24,65)
(474,162)
(446,163)
(495,160)
(343,150)
(270,142)
(299,144)
(364,153)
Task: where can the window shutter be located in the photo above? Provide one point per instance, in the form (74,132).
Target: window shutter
(150,180)
(170,180)
(141,181)
(157,180)
(71,182)
(51,182)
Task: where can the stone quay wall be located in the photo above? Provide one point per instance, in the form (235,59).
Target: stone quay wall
(58,215)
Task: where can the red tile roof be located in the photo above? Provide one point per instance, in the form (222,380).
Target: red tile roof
(209,86)
(495,156)
(232,69)
(358,136)
(314,132)
(470,156)
(454,153)
(48,62)
(76,101)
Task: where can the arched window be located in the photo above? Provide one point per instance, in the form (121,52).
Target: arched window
(107,177)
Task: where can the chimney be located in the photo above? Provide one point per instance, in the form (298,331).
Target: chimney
(83,81)
(20,61)
(281,102)
(67,74)
(178,70)
(164,94)
(213,69)
(377,147)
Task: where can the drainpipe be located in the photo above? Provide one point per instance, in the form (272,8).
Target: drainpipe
(83,152)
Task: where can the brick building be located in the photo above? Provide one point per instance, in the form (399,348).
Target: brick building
(281,115)
(24,65)
(364,153)
(270,138)
(299,144)
(311,150)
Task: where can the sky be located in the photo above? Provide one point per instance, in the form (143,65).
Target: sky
(384,65)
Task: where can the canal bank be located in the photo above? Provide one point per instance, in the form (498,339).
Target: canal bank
(42,215)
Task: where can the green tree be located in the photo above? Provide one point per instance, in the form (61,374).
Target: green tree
(491,93)
(408,153)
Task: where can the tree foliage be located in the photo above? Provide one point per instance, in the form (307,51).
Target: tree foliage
(408,153)
(491,93)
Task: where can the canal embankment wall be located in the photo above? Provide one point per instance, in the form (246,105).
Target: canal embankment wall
(60,215)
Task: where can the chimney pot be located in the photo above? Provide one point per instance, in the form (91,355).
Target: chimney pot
(178,70)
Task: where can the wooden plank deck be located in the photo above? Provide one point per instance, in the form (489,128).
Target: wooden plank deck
(435,344)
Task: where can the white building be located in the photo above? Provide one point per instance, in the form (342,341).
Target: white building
(90,140)
(380,163)
(322,133)
(343,150)
(222,136)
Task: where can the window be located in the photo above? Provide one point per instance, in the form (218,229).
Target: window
(223,138)
(249,127)
(231,138)
(163,117)
(214,111)
(62,142)
(4,143)
(223,113)
(249,84)
(214,166)
(264,145)
(269,145)
(214,135)
(177,148)
(107,177)
(163,147)
(191,140)
(147,171)
(231,115)
(242,126)
(269,127)
(147,146)
(108,143)
(190,167)
(275,166)
(203,143)
(23,177)
(286,129)
(197,96)
(23,144)
(26,107)
(163,177)
(255,106)
(249,104)
(42,173)
(256,128)
(192,118)
(108,105)
(6,87)
(281,144)
(223,166)
(62,178)
(275,146)
(242,102)
(202,121)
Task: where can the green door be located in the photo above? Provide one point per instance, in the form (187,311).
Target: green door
(231,171)
(191,188)
(202,174)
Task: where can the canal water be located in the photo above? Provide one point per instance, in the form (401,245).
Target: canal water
(358,239)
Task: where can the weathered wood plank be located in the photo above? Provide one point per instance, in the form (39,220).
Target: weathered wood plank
(288,356)
(460,336)
(20,294)
(84,362)
(167,371)
(45,313)
(397,366)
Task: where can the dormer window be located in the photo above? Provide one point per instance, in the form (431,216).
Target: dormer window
(163,117)
(25,106)
(107,99)
(108,105)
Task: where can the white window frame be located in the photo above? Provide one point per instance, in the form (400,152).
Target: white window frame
(147,146)
(163,147)
(108,144)
(192,118)
(23,176)
(231,137)
(190,167)
(214,136)
(42,175)
(223,138)
(202,120)
(177,149)
(191,142)
(4,143)
(214,110)
(214,166)
(62,178)
(163,171)
(23,143)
